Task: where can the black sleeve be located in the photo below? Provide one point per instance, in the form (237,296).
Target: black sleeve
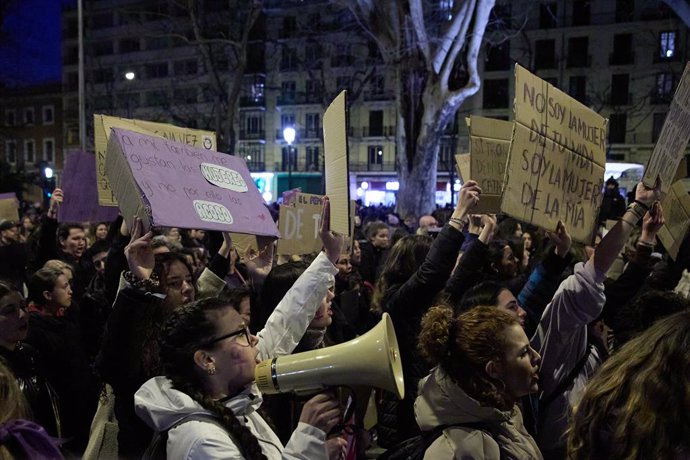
(468,273)
(115,264)
(46,247)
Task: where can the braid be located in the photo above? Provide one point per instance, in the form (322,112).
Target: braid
(248,443)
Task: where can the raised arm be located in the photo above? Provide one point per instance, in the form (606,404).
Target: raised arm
(291,317)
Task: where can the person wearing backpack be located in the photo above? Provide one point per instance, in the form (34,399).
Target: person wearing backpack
(484,365)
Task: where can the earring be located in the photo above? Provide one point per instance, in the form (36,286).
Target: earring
(211,370)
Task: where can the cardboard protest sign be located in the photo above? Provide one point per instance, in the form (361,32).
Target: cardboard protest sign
(78,183)
(290,195)
(489,144)
(673,139)
(462,163)
(556,161)
(676,207)
(104,123)
(171,184)
(9,207)
(336,163)
(299,225)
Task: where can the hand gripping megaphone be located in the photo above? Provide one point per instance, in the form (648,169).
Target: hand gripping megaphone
(372,359)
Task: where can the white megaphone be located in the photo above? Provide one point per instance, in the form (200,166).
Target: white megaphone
(372,359)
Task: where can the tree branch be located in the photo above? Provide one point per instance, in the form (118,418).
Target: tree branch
(446,66)
(417,17)
(460,14)
(681,8)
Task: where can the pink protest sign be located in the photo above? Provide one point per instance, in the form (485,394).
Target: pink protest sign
(171,184)
(81,195)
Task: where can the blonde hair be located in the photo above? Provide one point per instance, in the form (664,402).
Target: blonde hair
(12,403)
(638,405)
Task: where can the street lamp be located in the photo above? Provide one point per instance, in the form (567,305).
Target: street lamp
(289,137)
(130,75)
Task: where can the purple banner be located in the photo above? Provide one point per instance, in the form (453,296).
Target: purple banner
(188,187)
(78,183)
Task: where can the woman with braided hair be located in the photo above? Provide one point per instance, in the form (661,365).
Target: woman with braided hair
(207,401)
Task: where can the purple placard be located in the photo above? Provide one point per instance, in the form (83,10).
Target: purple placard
(8,196)
(78,183)
(191,187)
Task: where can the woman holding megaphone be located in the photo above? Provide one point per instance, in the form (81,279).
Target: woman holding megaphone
(207,400)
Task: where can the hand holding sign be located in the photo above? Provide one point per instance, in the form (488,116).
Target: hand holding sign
(652,222)
(561,239)
(55,201)
(332,242)
(467,198)
(646,195)
(138,252)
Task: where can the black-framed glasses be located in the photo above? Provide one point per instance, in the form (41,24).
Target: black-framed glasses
(243,330)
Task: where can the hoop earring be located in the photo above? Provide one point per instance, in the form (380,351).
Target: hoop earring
(211,370)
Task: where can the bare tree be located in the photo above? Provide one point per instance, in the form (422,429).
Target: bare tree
(433,48)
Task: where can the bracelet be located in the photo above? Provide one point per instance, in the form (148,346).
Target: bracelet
(150,284)
(645,244)
(636,209)
(456,220)
(644,206)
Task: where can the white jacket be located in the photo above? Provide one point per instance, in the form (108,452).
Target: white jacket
(160,406)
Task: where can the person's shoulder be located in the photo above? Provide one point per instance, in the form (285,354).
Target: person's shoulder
(464,442)
(201,439)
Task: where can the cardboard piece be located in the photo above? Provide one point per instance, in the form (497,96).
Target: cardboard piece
(462,163)
(489,145)
(81,196)
(104,123)
(673,139)
(556,161)
(676,207)
(9,207)
(171,184)
(299,225)
(336,163)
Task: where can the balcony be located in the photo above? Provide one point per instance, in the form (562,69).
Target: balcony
(658,58)
(658,98)
(256,166)
(379,96)
(248,101)
(377,131)
(298,98)
(622,58)
(252,135)
(387,166)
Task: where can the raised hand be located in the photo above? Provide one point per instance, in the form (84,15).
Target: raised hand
(56,200)
(646,195)
(138,252)
(322,411)
(561,238)
(467,198)
(332,242)
(652,222)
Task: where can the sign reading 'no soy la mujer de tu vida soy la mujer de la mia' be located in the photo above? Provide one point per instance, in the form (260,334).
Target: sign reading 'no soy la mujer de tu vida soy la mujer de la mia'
(172,184)
(669,150)
(104,123)
(556,162)
(489,143)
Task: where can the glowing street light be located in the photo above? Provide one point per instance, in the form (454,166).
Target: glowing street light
(289,137)
(130,75)
(48,172)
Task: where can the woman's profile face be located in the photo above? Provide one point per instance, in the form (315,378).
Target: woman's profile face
(14,321)
(519,367)
(527,241)
(509,264)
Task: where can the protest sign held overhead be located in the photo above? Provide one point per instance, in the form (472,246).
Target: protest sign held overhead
(489,144)
(171,184)
(462,163)
(9,207)
(336,163)
(80,203)
(556,162)
(299,225)
(104,123)
(673,139)
(676,207)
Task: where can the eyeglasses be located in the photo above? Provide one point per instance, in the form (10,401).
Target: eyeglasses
(244,330)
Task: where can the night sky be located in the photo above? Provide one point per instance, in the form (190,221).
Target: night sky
(30,42)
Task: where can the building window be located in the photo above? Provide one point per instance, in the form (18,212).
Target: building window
(375,123)
(48,112)
(49,149)
(545,54)
(257,91)
(495,95)
(312,158)
(253,127)
(663,91)
(288,60)
(29,152)
(129,45)
(11,151)
(375,154)
(578,88)
(157,43)
(103,75)
(289,27)
(581,12)
(157,70)
(667,45)
(377,86)
(657,124)
(287,120)
(548,15)
(102,21)
(312,52)
(622,50)
(619,89)
(553,81)
(498,57)
(578,49)
(288,92)
(29,116)
(313,90)
(617,128)
(313,125)
(10,117)
(342,56)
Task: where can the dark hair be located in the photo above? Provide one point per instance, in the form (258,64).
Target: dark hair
(277,283)
(506,229)
(403,260)
(495,257)
(96,247)
(373,228)
(185,332)
(482,295)
(43,280)
(463,344)
(64,229)
(7,288)
(164,261)
(398,234)
(637,316)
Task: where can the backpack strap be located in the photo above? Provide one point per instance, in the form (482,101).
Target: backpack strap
(545,401)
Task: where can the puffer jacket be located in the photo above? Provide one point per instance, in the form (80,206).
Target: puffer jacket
(442,402)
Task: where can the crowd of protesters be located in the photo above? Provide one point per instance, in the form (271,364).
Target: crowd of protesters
(516,343)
